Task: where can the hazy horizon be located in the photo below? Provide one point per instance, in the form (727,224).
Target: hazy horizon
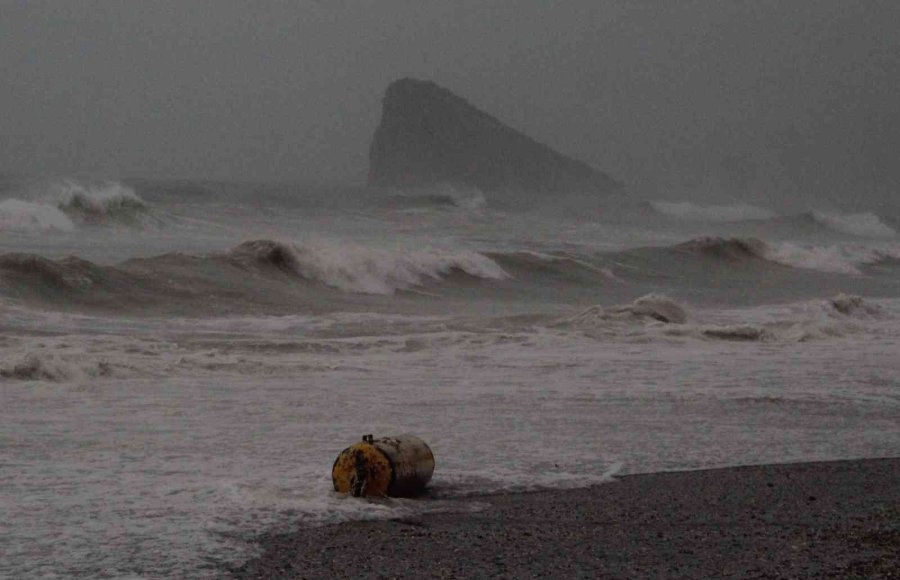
(202,301)
(766,102)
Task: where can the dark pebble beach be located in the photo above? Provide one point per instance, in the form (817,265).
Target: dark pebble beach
(811,520)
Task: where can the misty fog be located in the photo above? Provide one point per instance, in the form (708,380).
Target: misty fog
(779,102)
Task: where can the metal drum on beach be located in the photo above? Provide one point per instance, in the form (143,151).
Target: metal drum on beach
(398,466)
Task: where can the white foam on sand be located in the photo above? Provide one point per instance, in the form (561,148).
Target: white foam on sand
(192,439)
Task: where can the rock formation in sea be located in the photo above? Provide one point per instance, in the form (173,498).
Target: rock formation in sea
(428,135)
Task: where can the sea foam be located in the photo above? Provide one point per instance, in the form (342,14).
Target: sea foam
(836,259)
(26,216)
(866,225)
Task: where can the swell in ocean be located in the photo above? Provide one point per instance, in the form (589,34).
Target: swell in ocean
(880,224)
(267,276)
(255,276)
(187,358)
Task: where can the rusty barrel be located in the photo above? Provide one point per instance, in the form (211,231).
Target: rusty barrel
(398,466)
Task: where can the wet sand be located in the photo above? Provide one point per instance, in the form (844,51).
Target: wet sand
(812,520)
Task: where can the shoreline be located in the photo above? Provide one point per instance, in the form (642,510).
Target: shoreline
(836,519)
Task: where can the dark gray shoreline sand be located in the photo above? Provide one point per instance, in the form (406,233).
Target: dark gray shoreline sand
(812,520)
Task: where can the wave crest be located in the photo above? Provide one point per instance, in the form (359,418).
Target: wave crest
(561,265)
(63,205)
(832,259)
(356,268)
(734,249)
(99,204)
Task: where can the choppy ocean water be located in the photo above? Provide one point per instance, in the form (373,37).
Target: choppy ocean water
(182,361)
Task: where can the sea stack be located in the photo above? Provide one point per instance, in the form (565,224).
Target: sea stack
(428,135)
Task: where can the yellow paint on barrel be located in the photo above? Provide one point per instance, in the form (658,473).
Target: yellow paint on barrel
(391,466)
(362,470)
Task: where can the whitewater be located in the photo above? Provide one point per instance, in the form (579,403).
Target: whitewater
(183,360)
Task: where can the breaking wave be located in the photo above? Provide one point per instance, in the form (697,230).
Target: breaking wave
(830,259)
(356,268)
(99,204)
(834,259)
(283,277)
(64,205)
(276,276)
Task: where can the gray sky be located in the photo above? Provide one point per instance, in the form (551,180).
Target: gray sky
(747,99)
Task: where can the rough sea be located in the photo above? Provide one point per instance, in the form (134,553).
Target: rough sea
(181,361)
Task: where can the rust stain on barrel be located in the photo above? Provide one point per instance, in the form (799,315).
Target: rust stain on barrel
(391,466)
(363,470)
